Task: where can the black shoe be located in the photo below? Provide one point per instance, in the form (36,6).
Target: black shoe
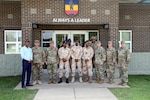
(29,85)
(67,80)
(60,81)
(23,87)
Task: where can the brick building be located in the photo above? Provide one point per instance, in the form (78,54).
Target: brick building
(114,20)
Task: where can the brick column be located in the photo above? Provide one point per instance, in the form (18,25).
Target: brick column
(114,34)
(27,34)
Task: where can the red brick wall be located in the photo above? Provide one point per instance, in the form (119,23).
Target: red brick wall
(139,23)
(57,11)
(5,23)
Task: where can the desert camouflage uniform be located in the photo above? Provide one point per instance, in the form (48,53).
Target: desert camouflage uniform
(100,57)
(111,61)
(87,66)
(64,53)
(76,53)
(123,58)
(38,59)
(52,61)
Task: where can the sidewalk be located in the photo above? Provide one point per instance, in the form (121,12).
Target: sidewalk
(75,94)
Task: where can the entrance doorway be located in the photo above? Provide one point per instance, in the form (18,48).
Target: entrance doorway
(58,36)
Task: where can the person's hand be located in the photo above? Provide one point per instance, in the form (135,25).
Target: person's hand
(46,62)
(126,65)
(30,61)
(64,60)
(101,63)
(76,60)
(86,60)
(42,63)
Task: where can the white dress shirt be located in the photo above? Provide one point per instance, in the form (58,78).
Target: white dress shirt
(26,53)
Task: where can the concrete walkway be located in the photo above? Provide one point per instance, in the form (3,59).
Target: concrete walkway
(74,91)
(75,94)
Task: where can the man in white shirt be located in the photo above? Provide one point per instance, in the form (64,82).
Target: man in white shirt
(26,55)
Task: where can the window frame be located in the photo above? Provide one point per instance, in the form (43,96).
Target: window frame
(17,42)
(130,42)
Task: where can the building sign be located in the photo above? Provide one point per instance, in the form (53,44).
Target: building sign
(71,7)
(71,20)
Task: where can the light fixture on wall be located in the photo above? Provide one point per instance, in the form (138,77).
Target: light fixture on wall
(105,26)
(34,26)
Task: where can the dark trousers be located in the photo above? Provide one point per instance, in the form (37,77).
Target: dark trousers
(26,67)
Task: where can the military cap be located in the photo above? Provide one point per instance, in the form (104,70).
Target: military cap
(98,42)
(86,41)
(69,40)
(36,41)
(93,37)
(27,40)
(65,41)
(122,42)
(51,42)
(109,42)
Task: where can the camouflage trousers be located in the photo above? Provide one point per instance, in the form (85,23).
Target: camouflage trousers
(110,69)
(73,67)
(37,71)
(61,68)
(99,71)
(52,71)
(123,71)
(87,68)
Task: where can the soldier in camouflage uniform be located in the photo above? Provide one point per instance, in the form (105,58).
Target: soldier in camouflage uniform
(38,61)
(100,57)
(87,62)
(123,61)
(52,61)
(64,55)
(111,61)
(76,54)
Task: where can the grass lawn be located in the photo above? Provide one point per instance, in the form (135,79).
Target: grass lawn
(139,89)
(7,85)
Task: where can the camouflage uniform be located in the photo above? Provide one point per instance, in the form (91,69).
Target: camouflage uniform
(64,53)
(100,57)
(123,58)
(52,60)
(38,59)
(87,66)
(76,53)
(111,61)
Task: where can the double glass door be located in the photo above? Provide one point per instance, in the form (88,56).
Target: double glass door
(60,36)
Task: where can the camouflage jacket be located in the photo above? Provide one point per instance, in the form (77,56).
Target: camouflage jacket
(111,56)
(100,55)
(123,55)
(52,55)
(87,53)
(64,53)
(76,52)
(38,55)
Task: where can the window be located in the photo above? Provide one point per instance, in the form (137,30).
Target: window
(93,34)
(13,41)
(126,35)
(47,36)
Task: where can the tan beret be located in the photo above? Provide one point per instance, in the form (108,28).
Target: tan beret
(109,42)
(51,42)
(36,41)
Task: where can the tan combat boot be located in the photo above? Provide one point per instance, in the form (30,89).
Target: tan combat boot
(86,79)
(39,82)
(34,83)
(73,79)
(97,79)
(90,79)
(80,79)
(50,81)
(101,81)
(111,81)
(120,83)
(54,82)
(124,84)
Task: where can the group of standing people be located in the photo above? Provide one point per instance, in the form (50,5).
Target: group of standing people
(69,57)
